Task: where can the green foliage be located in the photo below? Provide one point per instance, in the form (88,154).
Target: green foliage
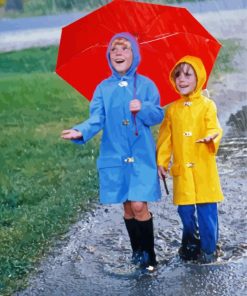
(29,60)
(38,7)
(169,1)
(224,61)
(46,7)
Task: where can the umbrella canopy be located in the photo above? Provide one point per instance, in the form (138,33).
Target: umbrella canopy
(165,34)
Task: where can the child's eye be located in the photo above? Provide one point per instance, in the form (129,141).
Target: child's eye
(188,74)
(177,74)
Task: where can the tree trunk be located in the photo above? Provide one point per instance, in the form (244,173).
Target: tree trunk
(14,5)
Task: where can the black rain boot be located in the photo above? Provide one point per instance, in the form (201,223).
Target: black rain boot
(190,249)
(205,258)
(147,244)
(134,235)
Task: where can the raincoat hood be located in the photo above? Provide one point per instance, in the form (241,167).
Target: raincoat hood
(135,51)
(200,71)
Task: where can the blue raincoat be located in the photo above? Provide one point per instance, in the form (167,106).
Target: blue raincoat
(127,162)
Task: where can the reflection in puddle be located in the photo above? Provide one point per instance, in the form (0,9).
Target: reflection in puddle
(238,123)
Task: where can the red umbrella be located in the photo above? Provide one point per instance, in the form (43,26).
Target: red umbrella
(165,34)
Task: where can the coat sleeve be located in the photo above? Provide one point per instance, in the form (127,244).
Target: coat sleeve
(164,143)
(151,112)
(96,120)
(213,127)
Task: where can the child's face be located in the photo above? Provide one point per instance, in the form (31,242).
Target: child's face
(121,55)
(185,79)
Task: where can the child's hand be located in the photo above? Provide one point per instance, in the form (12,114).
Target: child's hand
(71,134)
(135,105)
(162,172)
(207,139)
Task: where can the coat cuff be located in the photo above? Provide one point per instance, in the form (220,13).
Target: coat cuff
(80,140)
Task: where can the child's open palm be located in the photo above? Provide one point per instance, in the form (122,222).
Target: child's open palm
(207,139)
(71,134)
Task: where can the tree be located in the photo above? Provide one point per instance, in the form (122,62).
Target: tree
(14,5)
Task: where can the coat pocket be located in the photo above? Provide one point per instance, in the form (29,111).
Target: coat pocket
(176,170)
(109,162)
(110,177)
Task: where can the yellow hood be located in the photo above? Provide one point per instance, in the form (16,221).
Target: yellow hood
(201,74)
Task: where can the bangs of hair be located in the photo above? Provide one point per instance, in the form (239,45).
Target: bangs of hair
(181,68)
(121,41)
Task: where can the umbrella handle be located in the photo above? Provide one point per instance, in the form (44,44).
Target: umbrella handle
(165,185)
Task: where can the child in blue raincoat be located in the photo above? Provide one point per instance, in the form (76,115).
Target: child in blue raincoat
(124,106)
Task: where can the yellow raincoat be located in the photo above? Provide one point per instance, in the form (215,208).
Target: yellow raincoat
(194,168)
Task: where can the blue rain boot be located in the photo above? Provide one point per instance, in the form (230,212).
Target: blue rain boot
(136,257)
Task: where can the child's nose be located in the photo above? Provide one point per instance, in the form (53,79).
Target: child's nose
(119,51)
(181,77)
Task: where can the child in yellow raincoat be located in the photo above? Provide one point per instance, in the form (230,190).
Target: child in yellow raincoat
(190,134)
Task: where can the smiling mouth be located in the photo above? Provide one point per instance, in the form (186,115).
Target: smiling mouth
(119,61)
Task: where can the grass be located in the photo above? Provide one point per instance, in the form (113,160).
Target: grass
(45,182)
(40,60)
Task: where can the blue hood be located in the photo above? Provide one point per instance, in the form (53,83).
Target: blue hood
(135,51)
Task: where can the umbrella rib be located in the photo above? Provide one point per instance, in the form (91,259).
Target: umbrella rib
(160,37)
(167,35)
(90,47)
(75,56)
